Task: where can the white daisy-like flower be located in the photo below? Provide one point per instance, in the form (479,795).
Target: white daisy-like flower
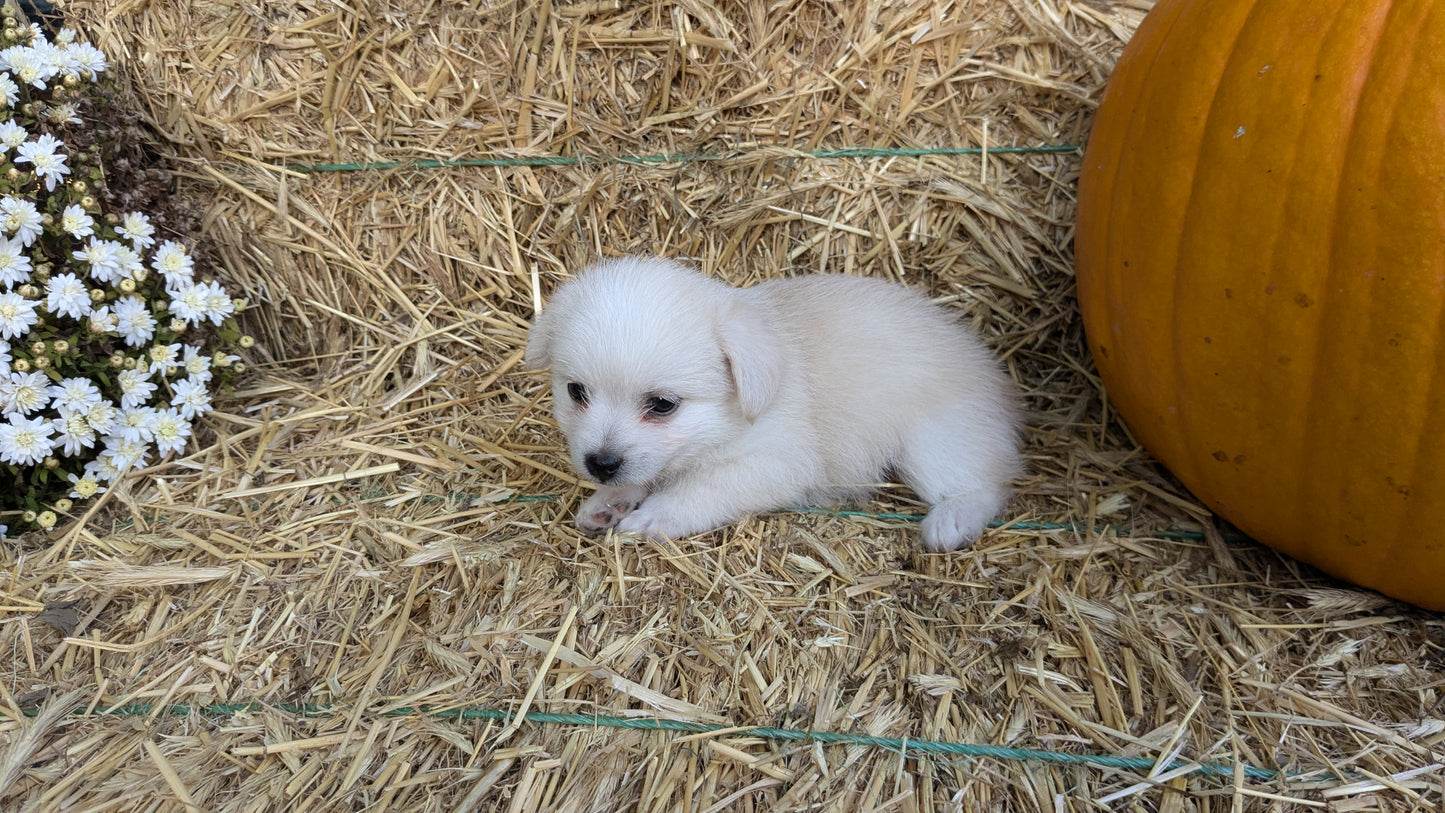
(197,364)
(102,417)
(9,92)
(27,66)
(102,471)
(189,302)
(134,321)
(191,397)
(87,57)
(164,356)
(26,441)
(65,36)
(73,433)
(23,392)
(219,304)
(124,455)
(5,358)
(66,295)
(74,395)
(171,430)
(85,486)
(15,265)
(43,153)
(102,320)
(77,222)
(55,57)
(12,134)
(17,315)
(19,217)
(127,260)
(136,423)
(137,228)
(172,261)
(63,113)
(135,387)
(100,256)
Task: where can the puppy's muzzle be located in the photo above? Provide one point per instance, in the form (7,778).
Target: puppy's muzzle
(603,465)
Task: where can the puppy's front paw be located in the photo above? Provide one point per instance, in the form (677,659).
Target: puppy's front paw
(956,522)
(658,519)
(607,506)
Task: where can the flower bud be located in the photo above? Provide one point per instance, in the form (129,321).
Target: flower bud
(37,348)
(47,519)
(238,368)
(79,186)
(88,202)
(71,80)
(246,342)
(129,363)
(62,346)
(28,516)
(97,295)
(28,291)
(112,218)
(63,504)
(42,363)
(117,359)
(20,366)
(127,285)
(178,326)
(47,219)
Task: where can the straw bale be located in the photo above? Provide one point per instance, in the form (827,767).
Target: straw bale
(379,517)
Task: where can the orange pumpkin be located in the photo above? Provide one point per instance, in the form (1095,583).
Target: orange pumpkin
(1261,270)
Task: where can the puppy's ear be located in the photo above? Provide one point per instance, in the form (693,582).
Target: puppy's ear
(539,341)
(750,348)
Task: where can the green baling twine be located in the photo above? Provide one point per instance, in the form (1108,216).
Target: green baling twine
(677,158)
(907,747)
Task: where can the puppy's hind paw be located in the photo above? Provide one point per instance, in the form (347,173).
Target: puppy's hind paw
(956,522)
(607,506)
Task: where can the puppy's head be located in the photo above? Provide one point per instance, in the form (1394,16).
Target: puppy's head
(653,367)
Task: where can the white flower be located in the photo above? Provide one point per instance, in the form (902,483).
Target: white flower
(9,92)
(196,363)
(14,263)
(65,294)
(74,433)
(127,260)
(189,302)
(17,315)
(19,217)
(87,57)
(191,398)
(137,228)
(134,321)
(63,113)
(172,261)
(27,65)
(25,441)
(76,222)
(123,455)
(135,387)
(101,417)
(5,358)
(163,356)
(48,163)
(171,430)
(24,393)
(219,304)
(86,486)
(12,134)
(137,424)
(100,255)
(101,470)
(74,395)
(102,320)
(65,36)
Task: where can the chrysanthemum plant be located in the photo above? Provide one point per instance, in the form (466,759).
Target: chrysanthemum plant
(110,345)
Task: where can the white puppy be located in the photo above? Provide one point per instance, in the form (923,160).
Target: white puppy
(694,403)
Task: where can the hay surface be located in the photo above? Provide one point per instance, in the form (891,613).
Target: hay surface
(352,538)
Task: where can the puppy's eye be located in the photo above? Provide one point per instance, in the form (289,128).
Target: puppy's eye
(578,393)
(661,406)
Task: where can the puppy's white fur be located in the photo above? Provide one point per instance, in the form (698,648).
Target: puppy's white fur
(791,392)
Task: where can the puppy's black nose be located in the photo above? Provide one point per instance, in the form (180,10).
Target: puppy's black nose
(603,466)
